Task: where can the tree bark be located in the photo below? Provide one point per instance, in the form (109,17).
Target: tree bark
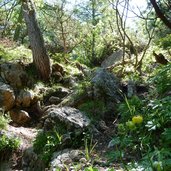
(160,14)
(40,56)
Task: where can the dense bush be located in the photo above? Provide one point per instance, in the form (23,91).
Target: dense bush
(46,143)
(162,79)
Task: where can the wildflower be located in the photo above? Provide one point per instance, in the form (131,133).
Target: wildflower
(137,119)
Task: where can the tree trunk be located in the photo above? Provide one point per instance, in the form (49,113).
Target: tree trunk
(160,14)
(40,56)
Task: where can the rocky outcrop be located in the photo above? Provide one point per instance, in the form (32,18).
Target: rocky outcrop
(69,117)
(14,74)
(7,97)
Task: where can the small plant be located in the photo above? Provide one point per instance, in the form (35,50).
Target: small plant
(130,108)
(91,168)
(89,148)
(8,143)
(3,122)
(46,143)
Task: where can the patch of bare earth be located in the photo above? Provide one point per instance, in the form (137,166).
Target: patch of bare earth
(26,137)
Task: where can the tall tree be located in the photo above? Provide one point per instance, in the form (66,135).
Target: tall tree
(160,13)
(40,56)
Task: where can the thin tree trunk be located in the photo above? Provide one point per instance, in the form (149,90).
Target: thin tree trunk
(40,56)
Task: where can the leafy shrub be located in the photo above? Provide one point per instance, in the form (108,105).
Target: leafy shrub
(130,108)
(159,114)
(8,143)
(3,122)
(147,136)
(93,108)
(165,42)
(46,143)
(162,79)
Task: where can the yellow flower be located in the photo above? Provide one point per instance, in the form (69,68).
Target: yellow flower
(137,119)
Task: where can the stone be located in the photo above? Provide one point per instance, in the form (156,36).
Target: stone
(19,116)
(7,97)
(70,117)
(54,100)
(58,68)
(57,76)
(31,161)
(112,59)
(65,157)
(25,98)
(105,86)
(14,74)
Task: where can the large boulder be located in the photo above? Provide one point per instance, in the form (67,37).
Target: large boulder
(105,86)
(70,118)
(14,74)
(7,97)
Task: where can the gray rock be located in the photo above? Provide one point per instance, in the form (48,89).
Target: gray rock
(112,59)
(65,157)
(19,116)
(54,100)
(105,86)
(70,117)
(7,97)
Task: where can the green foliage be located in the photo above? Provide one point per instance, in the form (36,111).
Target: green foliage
(3,122)
(46,143)
(165,42)
(148,140)
(130,107)
(3,54)
(90,168)
(8,143)
(159,114)
(94,109)
(17,53)
(89,148)
(162,79)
